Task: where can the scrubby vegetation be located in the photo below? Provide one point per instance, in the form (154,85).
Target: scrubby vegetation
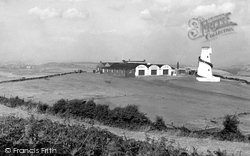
(77,140)
(231,131)
(128,117)
(159,124)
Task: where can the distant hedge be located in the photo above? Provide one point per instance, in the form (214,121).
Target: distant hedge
(127,117)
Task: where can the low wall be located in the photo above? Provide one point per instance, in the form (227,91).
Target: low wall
(231,78)
(42,77)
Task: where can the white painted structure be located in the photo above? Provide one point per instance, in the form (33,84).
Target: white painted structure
(141,70)
(148,70)
(165,70)
(205,67)
(154,70)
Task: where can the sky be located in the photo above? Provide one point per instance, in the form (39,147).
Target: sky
(40,31)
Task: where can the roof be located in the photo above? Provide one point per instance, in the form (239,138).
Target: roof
(205,47)
(123,66)
(159,65)
(130,65)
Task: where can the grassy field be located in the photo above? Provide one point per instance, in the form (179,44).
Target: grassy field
(177,99)
(202,145)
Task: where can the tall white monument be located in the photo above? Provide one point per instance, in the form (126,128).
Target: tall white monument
(205,67)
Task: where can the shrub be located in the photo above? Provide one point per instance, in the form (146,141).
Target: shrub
(42,108)
(128,117)
(159,124)
(102,113)
(81,108)
(231,123)
(230,131)
(59,106)
(78,140)
(14,102)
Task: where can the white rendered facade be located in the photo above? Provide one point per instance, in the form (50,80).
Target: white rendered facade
(205,67)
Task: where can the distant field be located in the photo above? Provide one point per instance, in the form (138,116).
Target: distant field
(178,99)
(16,72)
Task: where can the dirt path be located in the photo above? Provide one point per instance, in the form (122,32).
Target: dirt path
(201,144)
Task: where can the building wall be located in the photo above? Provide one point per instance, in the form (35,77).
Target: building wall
(119,72)
(141,68)
(99,67)
(152,68)
(130,73)
(181,71)
(165,67)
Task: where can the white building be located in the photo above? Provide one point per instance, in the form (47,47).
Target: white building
(205,67)
(141,70)
(165,70)
(134,69)
(154,70)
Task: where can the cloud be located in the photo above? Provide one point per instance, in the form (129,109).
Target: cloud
(145,14)
(156,15)
(117,7)
(44,14)
(163,1)
(73,13)
(136,1)
(47,13)
(213,9)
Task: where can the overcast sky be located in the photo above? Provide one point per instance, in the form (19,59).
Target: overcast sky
(39,31)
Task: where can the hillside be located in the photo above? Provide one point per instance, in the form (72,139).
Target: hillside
(238,70)
(201,145)
(177,99)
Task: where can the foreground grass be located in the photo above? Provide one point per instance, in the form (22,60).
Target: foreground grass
(128,117)
(31,133)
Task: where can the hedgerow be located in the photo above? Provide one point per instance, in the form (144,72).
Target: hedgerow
(159,124)
(42,108)
(78,140)
(128,117)
(231,129)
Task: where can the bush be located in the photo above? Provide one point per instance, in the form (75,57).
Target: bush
(128,117)
(102,113)
(81,108)
(42,108)
(59,106)
(81,141)
(230,131)
(14,102)
(231,123)
(159,124)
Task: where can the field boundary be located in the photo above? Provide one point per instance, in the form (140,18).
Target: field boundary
(232,78)
(43,77)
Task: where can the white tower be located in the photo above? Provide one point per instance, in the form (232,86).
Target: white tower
(205,67)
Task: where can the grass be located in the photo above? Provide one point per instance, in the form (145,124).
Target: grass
(78,140)
(128,117)
(177,99)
